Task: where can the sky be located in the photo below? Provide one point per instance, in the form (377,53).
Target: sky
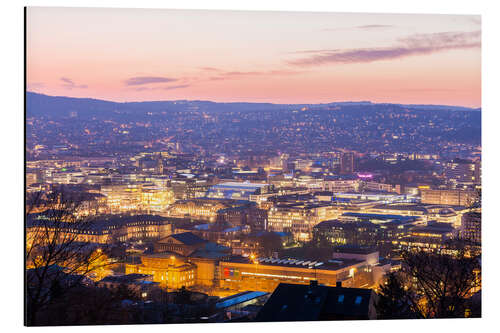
(251,56)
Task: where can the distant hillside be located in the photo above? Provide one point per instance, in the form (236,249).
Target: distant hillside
(60,106)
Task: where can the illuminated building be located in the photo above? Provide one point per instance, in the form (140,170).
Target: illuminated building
(170,270)
(277,191)
(477,171)
(181,243)
(415,156)
(303,164)
(404,209)
(380,219)
(299,218)
(88,203)
(337,232)
(277,161)
(105,230)
(64,177)
(31,178)
(308,182)
(247,214)
(446,214)
(361,232)
(347,163)
(219,233)
(122,198)
(381,197)
(189,188)
(374,186)
(156,199)
(234,190)
(137,197)
(197,208)
(461,172)
(182,260)
(159,166)
(341,184)
(448,197)
(471,227)
(265,274)
(430,237)
(208,208)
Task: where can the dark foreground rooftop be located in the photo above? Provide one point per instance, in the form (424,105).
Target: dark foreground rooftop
(296,302)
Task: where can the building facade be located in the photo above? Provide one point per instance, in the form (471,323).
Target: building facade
(471,227)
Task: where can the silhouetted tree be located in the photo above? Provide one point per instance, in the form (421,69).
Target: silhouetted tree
(270,243)
(430,285)
(56,259)
(394,301)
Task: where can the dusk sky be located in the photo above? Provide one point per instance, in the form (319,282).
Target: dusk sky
(280,57)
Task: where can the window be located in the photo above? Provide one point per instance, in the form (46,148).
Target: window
(358,300)
(341,299)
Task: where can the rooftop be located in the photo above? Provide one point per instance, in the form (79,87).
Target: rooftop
(381,216)
(297,302)
(129,278)
(188,238)
(239,298)
(243,185)
(332,265)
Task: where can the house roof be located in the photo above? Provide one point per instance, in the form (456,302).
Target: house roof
(186,238)
(296,302)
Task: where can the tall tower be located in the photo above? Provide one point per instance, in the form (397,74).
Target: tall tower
(159,166)
(347,163)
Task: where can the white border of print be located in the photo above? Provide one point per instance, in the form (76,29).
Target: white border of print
(12,154)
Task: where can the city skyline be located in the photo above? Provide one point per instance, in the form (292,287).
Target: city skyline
(189,166)
(277,57)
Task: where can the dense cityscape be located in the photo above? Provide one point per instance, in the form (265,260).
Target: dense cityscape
(196,211)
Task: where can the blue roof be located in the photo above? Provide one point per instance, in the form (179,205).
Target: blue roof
(205,226)
(241,186)
(382,216)
(237,228)
(341,177)
(228,194)
(239,298)
(264,232)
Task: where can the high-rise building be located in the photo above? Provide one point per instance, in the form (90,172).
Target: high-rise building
(477,171)
(347,163)
(461,172)
(160,167)
(471,226)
